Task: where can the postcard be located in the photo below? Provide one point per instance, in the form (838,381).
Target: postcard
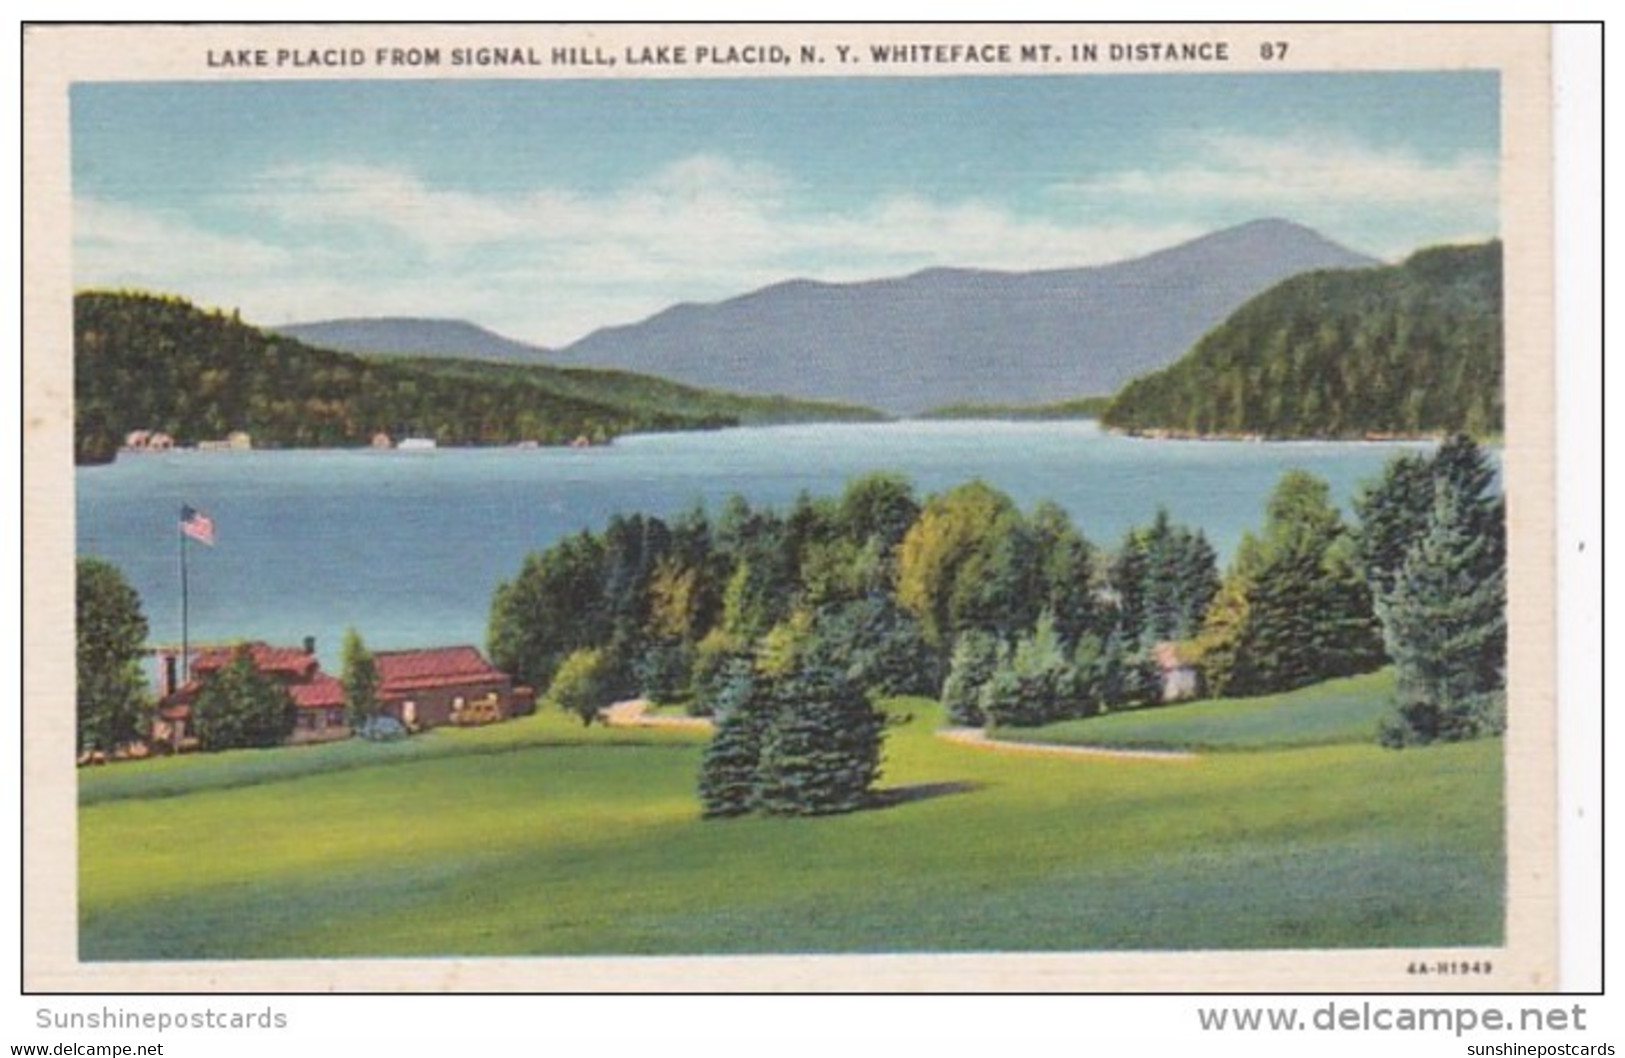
(873,508)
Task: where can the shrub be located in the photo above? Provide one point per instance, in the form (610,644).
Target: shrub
(381,729)
(581,687)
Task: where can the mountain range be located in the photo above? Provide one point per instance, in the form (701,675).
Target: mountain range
(413,336)
(913,343)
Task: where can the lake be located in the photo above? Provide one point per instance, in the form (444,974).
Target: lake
(408,547)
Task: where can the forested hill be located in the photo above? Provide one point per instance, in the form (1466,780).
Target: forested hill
(147,362)
(1414,348)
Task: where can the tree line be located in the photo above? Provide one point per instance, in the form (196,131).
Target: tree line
(1410,349)
(885,582)
(785,625)
(148,362)
(1014,618)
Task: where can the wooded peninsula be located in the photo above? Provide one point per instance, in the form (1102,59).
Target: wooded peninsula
(149,362)
(1413,349)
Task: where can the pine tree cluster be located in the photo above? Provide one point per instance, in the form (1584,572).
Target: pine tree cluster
(802,744)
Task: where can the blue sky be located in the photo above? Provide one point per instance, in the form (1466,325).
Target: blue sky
(545,209)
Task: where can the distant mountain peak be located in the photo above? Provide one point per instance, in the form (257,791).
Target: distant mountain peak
(944,335)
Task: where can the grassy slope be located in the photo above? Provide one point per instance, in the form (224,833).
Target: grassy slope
(559,840)
(1345,710)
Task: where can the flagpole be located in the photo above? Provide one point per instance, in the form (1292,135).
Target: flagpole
(186,655)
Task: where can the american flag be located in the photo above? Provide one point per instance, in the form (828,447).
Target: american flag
(197,525)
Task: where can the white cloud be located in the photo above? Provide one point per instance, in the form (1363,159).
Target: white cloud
(550,264)
(112,240)
(1288,172)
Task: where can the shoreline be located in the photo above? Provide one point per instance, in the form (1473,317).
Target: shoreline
(1373,438)
(1370,437)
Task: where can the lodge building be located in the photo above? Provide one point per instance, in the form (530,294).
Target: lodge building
(420,688)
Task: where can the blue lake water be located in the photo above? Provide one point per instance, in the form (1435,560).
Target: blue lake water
(408,547)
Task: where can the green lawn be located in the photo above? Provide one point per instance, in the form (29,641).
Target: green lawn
(1346,710)
(170,776)
(540,837)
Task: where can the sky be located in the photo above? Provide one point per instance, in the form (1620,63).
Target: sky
(547,209)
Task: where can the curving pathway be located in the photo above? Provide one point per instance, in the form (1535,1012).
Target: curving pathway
(977,738)
(635,713)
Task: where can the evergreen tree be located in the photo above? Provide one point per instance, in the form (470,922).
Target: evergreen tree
(110,637)
(1444,623)
(879,645)
(1111,674)
(812,525)
(712,657)
(1066,572)
(1393,513)
(634,549)
(1034,684)
(1432,540)
(761,590)
(1164,578)
(975,658)
(238,706)
(1295,609)
(360,679)
(1000,586)
(661,672)
(821,749)
(728,771)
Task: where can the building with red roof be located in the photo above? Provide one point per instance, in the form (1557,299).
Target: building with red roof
(447,685)
(317,697)
(420,688)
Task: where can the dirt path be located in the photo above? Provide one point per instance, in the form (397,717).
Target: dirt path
(976,738)
(635,713)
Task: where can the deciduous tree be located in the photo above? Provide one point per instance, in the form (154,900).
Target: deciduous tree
(110,637)
(582,686)
(238,706)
